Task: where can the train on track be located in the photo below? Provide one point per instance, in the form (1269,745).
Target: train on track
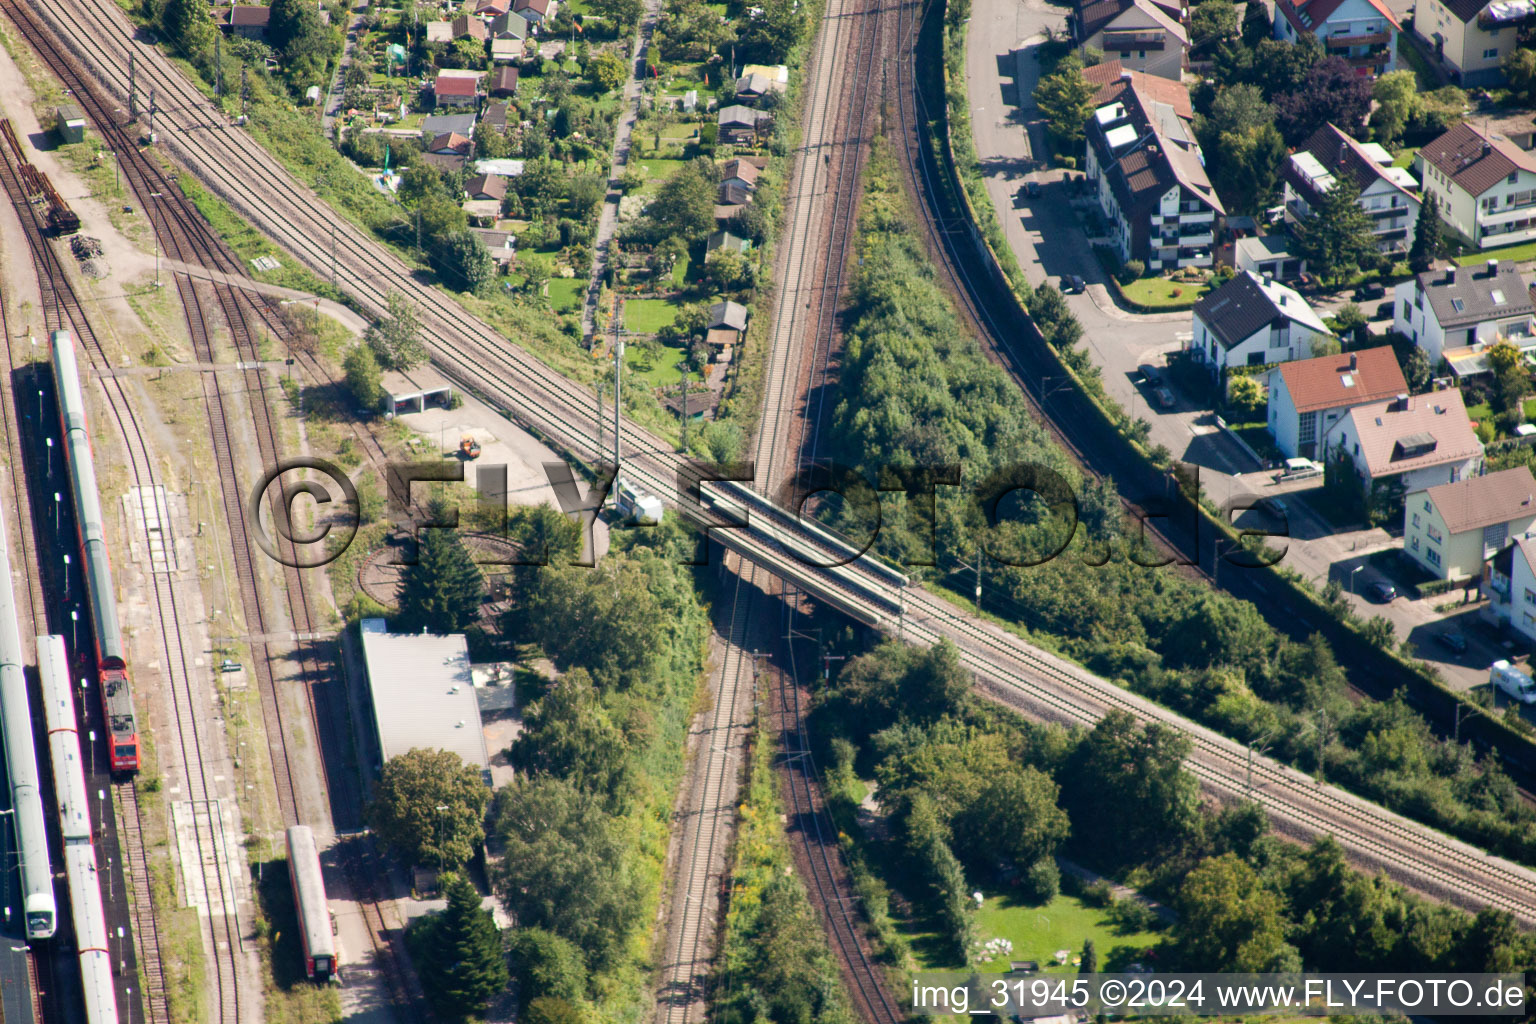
(111,656)
(60,218)
(74,813)
(316,933)
(21,764)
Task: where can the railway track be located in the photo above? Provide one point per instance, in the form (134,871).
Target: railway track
(186,236)
(560,410)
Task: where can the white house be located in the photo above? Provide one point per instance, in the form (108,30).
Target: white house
(1308,396)
(1485,183)
(1470,37)
(1149,173)
(1385,191)
(1253,321)
(1511,578)
(1145,35)
(1464,307)
(1451,530)
(1421,440)
(1363,32)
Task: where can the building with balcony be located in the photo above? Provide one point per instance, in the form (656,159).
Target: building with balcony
(1363,32)
(1451,530)
(1486,185)
(1143,35)
(1416,441)
(1464,308)
(1149,175)
(1385,191)
(1253,321)
(1470,38)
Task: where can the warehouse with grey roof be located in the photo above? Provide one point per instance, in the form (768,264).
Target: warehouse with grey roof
(422,693)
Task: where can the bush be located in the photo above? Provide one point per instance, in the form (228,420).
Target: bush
(1131,270)
(1133,916)
(1099,894)
(1041,882)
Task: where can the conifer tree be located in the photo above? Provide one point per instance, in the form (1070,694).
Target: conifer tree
(461,954)
(442,591)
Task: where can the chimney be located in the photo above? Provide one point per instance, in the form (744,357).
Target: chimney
(1282,298)
(1450,274)
(1493,268)
(1400,403)
(1354,361)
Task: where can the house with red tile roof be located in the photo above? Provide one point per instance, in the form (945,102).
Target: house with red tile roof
(1308,396)
(455,89)
(1363,32)
(1419,441)
(1452,529)
(1486,185)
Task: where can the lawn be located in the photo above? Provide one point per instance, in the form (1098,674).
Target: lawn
(1161,293)
(1509,254)
(565,293)
(1405,158)
(655,371)
(657,169)
(1483,411)
(1038,932)
(647,316)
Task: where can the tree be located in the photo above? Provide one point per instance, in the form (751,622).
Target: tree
(1332,93)
(364,379)
(569,734)
(685,204)
(606,71)
(549,1010)
(1428,237)
(604,619)
(1212,22)
(1256,23)
(625,14)
(1248,167)
(1417,371)
(1397,99)
(1350,323)
(459,953)
(1065,99)
(1090,964)
(545,964)
(396,337)
(1237,109)
(467,263)
(778,28)
(565,867)
(1245,397)
(442,591)
(691,30)
(1336,240)
(940,868)
(188,23)
(1229,920)
(490,144)
(1280,67)
(1015,818)
(728,269)
(1519,68)
(404,809)
(1511,380)
(294,29)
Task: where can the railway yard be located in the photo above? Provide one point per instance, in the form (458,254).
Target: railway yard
(187,690)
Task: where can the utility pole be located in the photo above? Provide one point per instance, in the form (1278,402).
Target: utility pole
(218,65)
(245,93)
(133,94)
(977,570)
(618,370)
(151,115)
(685,403)
(600,385)
(333,254)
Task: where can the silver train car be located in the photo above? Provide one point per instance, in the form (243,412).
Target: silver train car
(21,764)
(111,656)
(319,941)
(85,906)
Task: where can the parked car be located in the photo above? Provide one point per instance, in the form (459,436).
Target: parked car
(1151,374)
(1373,290)
(1071,284)
(1455,642)
(1382,591)
(1164,398)
(1385,310)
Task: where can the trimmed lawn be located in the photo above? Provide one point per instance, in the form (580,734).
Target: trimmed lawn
(657,371)
(565,293)
(1483,411)
(647,316)
(1159,292)
(658,169)
(1405,158)
(1509,254)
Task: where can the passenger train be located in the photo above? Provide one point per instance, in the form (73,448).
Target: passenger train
(315,930)
(111,657)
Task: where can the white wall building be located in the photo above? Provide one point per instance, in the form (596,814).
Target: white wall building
(1464,307)
(1253,321)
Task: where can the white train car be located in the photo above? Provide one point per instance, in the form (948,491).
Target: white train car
(320,961)
(22,765)
(80,868)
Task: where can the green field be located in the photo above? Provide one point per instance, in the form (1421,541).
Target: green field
(1159,292)
(1404,159)
(647,316)
(565,294)
(655,371)
(1508,254)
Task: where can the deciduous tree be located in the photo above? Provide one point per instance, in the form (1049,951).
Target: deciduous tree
(364,378)
(1397,98)
(569,734)
(466,263)
(404,810)
(1127,792)
(1230,921)
(396,336)
(546,964)
(1332,93)
(606,71)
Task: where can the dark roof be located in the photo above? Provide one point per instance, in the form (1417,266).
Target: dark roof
(1480,501)
(1163,154)
(1093,15)
(742,169)
(496,114)
(1350,378)
(698,402)
(737,115)
(724,240)
(249,16)
(467,25)
(445,161)
(1465,10)
(734,195)
(504,80)
(1237,309)
(492,185)
(436,124)
(1476,161)
(1338,153)
(511,24)
(728,314)
(1460,296)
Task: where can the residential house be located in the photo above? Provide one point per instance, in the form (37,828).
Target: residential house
(1308,396)
(439,31)
(536,12)
(740,172)
(496,116)
(1470,38)
(1149,174)
(1414,441)
(505,51)
(1363,32)
(728,315)
(1511,577)
(756,86)
(1464,307)
(725,240)
(450,142)
(502,245)
(455,89)
(509,26)
(486,186)
(249,20)
(1452,529)
(468,27)
(1253,321)
(492,9)
(448,163)
(504,82)
(1485,183)
(738,124)
(1142,35)
(1386,192)
(434,125)
(1268,255)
